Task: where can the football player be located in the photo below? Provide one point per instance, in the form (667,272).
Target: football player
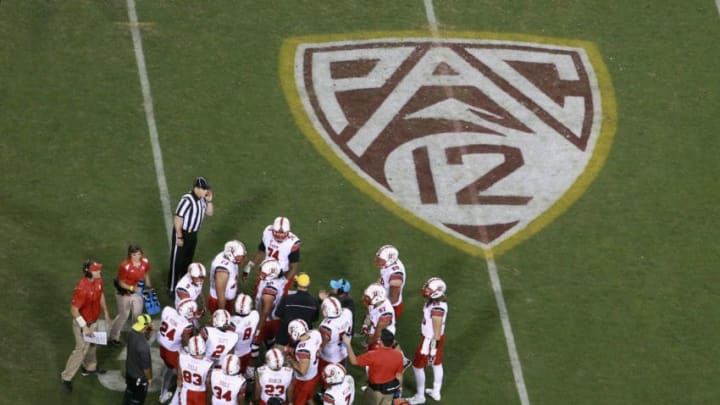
(227,386)
(273,379)
(279,243)
(340,386)
(192,374)
(430,348)
(176,328)
(336,323)
(392,276)
(245,322)
(190,285)
(224,276)
(380,314)
(304,360)
(270,291)
(220,339)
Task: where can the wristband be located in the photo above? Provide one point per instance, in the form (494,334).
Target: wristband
(248,267)
(81,321)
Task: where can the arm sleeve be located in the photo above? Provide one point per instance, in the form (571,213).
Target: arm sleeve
(294,256)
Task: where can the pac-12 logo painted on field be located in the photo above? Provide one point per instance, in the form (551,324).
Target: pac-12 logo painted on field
(478,139)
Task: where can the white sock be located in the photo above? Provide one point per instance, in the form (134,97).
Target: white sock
(437,377)
(419,380)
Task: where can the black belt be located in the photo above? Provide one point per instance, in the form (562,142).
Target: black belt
(185,231)
(386,388)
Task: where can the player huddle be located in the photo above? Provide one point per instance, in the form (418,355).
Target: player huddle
(219,363)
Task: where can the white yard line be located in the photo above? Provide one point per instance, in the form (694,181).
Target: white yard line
(150,117)
(507,330)
(492,267)
(717,4)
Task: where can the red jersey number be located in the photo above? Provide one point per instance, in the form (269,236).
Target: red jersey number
(220,394)
(274,390)
(170,335)
(218,351)
(192,378)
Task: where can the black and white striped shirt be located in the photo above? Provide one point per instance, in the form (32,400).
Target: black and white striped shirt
(192,210)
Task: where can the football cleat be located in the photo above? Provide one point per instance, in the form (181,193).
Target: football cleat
(418,398)
(434,395)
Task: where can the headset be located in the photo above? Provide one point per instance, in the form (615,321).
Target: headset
(86,268)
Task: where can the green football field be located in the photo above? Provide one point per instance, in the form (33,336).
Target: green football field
(607,285)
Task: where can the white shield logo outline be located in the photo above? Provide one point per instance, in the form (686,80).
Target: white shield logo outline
(312,118)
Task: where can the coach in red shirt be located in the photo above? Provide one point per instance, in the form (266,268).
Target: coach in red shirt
(385,369)
(88,299)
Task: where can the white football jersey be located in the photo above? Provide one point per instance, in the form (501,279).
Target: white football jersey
(395,271)
(383,311)
(172,326)
(274,287)
(340,394)
(274,383)
(194,374)
(218,343)
(433,308)
(280,251)
(225,388)
(220,262)
(334,350)
(186,284)
(245,327)
(309,349)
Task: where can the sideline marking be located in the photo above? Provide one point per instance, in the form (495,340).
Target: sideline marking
(717,4)
(492,267)
(150,117)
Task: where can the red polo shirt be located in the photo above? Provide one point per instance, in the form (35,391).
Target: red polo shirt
(131,274)
(383,364)
(86,298)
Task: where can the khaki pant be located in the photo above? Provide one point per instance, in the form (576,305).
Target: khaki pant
(372,397)
(82,355)
(125,304)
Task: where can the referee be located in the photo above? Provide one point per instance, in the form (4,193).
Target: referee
(189,215)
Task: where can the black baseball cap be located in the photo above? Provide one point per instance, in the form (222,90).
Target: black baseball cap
(202,183)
